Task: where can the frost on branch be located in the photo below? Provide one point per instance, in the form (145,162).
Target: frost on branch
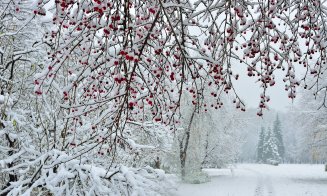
(134,55)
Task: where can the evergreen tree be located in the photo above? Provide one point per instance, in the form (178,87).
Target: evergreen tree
(273,147)
(270,148)
(266,151)
(278,134)
(260,145)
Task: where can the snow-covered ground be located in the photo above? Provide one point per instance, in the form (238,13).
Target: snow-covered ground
(261,180)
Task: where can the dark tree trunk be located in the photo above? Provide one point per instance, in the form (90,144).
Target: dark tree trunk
(157,163)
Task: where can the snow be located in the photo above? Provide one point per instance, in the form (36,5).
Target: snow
(261,180)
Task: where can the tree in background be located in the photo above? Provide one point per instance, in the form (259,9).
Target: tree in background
(270,148)
(273,145)
(277,130)
(311,133)
(260,146)
(209,138)
(266,148)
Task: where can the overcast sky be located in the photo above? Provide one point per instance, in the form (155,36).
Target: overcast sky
(249,90)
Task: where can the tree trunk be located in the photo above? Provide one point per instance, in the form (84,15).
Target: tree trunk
(183,161)
(157,163)
(183,145)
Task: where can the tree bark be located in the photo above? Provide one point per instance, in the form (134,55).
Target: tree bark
(183,145)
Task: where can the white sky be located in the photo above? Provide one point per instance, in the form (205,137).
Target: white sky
(250,91)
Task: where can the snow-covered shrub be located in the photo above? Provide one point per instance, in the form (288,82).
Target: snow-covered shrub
(196,177)
(171,161)
(79,177)
(273,162)
(151,143)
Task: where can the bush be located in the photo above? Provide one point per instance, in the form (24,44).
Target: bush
(273,162)
(196,177)
(77,177)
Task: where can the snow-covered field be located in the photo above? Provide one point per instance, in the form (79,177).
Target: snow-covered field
(261,180)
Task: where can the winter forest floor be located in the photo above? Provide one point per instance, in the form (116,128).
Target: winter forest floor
(261,180)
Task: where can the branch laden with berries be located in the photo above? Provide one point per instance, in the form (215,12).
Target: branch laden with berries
(127,56)
(41,146)
(114,61)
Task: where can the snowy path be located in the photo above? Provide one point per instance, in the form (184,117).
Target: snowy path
(261,180)
(264,185)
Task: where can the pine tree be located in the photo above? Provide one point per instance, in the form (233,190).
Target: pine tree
(260,145)
(273,145)
(270,148)
(278,134)
(266,151)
